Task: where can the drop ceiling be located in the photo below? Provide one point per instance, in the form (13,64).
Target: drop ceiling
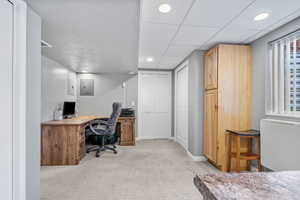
(99,36)
(200,24)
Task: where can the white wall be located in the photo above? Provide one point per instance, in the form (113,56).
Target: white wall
(131,91)
(196,103)
(33,105)
(196,107)
(55,86)
(107,89)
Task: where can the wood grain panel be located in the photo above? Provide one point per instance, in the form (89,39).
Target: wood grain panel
(235,88)
(127,132)
(211,69)
(233,73)
(211,125)
(60,145)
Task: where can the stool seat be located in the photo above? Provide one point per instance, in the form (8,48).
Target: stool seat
(250,132)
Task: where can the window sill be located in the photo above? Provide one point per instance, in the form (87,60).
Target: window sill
(291,116)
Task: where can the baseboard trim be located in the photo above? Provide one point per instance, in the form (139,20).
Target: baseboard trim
(196,158)
(150,138)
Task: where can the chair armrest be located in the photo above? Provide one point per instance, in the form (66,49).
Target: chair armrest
(93,129)
(100,121)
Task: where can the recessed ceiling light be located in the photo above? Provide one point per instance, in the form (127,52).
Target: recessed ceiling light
(261,16)
(131,73)
(149,59)
(84,71)
(164,8)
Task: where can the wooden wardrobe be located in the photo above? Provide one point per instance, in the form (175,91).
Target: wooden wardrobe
(227,99)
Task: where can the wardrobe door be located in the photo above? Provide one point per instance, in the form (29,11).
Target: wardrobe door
(211,69)
(211,125)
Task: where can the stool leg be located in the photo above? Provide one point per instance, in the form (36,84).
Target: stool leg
(238,153)
(229,153)
(258,151)
(249,152)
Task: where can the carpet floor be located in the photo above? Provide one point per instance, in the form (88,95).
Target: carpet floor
(151,170)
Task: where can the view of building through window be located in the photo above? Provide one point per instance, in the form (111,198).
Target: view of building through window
(294,66)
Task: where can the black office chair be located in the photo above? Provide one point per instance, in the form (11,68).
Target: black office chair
(105,129)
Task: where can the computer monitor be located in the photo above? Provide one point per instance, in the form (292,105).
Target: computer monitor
(69,109)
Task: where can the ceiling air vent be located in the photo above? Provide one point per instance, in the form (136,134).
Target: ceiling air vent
(45,44)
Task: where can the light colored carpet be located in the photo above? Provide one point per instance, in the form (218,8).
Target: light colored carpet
(151,170)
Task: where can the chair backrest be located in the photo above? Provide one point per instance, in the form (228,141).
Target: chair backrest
(112,121)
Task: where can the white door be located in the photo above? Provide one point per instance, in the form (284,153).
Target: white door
(6,57)
(155,104)
(181,105)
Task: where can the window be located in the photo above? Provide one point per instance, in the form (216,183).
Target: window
(284,76)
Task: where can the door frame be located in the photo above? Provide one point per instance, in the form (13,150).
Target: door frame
(183,65)
(19,171)
(139,121)
(7,102)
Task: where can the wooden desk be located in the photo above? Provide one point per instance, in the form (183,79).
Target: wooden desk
(63,142)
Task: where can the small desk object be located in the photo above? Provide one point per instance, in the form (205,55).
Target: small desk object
(250,186)
(249,155)
(63,142)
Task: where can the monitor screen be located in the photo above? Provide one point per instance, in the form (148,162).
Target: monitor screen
(69,109)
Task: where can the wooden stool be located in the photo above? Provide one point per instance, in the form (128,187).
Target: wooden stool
(237,135)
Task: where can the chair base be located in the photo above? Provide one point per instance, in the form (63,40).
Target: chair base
(100,149)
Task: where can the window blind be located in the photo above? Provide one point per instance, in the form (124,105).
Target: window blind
(284,71)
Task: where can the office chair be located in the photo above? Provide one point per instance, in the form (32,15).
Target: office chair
(106,130)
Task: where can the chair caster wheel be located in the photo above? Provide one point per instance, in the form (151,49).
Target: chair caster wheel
(115,152)
(97,155)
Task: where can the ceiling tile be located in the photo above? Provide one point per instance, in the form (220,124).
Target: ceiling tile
(100,35)
(155,51)
(152,32)
(190,35)
(212,13)
(231,35)
(150,11)
(180,50)
(144,64)
(274,26)
(169,62)
(155,38)
(277,10)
